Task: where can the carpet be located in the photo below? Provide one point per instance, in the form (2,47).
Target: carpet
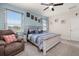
(62,49)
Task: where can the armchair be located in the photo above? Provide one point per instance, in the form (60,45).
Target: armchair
(12,48)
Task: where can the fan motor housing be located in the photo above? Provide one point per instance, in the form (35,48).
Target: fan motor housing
(52,9)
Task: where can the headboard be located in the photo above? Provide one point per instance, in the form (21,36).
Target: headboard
(32,28)
(35,27)
(26,29)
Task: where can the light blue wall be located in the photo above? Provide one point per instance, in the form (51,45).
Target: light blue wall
(30,22)
(26,20)
(1,20)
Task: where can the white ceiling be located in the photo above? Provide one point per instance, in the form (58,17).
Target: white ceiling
(37,7)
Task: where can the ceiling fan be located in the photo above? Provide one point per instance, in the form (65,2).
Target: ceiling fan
(51,4)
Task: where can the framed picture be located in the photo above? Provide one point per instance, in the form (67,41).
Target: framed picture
(32,17)
(35,18)
(28,14)
(39,20)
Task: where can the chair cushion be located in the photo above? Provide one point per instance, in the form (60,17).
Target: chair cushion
(13,47)
(9,38)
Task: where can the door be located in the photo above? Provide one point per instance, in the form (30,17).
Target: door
(66,34)
(75,28)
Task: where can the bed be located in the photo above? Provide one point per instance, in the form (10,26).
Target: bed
(43,40)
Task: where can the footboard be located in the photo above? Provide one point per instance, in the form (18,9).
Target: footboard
(47,44)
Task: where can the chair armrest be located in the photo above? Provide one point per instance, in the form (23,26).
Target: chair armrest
(2,46)
(21,41)
(2,50)
(16,35)
(2,42)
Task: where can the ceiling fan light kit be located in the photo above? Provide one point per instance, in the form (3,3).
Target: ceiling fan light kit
(52,9)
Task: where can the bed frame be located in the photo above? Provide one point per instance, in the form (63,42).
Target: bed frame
(49,43)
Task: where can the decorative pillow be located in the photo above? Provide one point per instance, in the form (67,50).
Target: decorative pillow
(31,31)
(36,32)
(9,38)
(41,31)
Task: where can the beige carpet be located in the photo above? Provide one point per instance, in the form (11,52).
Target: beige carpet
(62,49)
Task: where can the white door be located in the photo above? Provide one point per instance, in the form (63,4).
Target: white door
(75,28)
(65,30)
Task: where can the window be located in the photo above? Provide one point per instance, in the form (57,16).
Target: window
(14,20)
(44,25)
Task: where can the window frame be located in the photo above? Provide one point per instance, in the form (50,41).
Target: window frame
(16,12)
(44,24)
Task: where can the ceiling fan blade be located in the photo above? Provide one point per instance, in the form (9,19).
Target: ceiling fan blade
(45,8)
(44,4)
(58,4)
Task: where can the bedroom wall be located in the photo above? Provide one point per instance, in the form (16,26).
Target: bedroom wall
(62,28)
(29,22)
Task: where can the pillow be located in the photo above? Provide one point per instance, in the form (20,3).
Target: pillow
(36,32)
(9,38)
(41,31)
(31,31)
